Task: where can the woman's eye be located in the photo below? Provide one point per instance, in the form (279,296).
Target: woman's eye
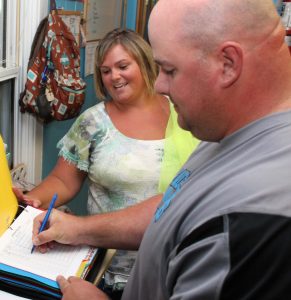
(123,67)
(104,72)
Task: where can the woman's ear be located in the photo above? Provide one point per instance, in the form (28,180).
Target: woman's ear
(232,60)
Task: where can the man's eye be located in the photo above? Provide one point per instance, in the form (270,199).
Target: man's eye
(169,72)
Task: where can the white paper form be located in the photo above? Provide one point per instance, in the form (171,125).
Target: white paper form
(73,22)
(16,244)
(90,57)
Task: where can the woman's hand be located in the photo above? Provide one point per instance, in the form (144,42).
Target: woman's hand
(23,198)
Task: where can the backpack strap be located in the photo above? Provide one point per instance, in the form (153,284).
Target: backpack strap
(49,67)
(53,5)
(37,41)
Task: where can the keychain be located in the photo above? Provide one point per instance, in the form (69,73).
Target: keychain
(49,94)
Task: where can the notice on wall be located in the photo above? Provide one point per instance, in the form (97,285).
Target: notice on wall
(90,57)
(101,16)
(73,22)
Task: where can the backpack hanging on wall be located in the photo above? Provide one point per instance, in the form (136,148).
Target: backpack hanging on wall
(54,89)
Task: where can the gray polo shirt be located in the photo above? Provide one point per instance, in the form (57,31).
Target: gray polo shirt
(223,228)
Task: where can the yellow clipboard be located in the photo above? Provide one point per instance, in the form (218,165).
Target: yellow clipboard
(8,201)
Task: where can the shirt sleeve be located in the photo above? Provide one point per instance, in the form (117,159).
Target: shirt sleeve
(199,270)
(76,145)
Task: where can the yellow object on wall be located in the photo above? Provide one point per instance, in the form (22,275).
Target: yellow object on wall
(8,201)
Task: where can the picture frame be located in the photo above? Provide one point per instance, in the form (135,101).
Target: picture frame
(144,8)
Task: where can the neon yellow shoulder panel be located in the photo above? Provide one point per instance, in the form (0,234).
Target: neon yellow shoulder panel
(179,144)
(8,201)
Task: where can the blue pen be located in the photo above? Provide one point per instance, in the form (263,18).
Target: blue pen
(44,222)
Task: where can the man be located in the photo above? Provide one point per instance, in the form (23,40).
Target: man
(222,230)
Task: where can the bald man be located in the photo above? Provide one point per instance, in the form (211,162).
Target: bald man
(223,228)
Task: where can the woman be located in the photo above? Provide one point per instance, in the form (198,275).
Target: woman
(119,143)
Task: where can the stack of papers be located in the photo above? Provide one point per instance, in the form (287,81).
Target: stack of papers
(27,274)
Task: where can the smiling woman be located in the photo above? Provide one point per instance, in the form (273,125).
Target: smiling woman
(118,145)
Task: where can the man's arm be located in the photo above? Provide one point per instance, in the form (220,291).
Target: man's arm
(121,229)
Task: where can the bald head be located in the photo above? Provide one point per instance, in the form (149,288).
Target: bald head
(208,22)
(216,59)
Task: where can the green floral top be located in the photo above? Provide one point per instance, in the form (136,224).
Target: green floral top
(122,171)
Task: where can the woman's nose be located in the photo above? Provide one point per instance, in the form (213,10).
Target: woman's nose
(115,74)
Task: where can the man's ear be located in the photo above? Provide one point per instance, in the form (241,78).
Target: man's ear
(232,60)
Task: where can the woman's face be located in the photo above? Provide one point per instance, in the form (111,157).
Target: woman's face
(121,75)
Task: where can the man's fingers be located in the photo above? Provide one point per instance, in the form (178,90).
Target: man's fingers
(43,238)
(37,223)
(63,283)
(72,279)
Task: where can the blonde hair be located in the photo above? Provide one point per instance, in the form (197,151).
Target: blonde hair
(135,45)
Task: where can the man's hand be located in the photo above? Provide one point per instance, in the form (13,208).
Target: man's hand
(62,228)
(75,288)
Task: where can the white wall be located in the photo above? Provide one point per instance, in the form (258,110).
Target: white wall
(28,132)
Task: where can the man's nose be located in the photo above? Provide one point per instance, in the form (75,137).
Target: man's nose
(161,85)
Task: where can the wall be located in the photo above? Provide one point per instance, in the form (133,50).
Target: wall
(55,130)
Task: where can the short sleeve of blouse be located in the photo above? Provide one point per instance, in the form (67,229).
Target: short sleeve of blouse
(86,131)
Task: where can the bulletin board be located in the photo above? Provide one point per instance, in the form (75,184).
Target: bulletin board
(102,16)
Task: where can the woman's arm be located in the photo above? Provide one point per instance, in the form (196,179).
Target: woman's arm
(65,179)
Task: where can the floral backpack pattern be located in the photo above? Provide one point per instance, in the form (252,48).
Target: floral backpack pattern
(54,88)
